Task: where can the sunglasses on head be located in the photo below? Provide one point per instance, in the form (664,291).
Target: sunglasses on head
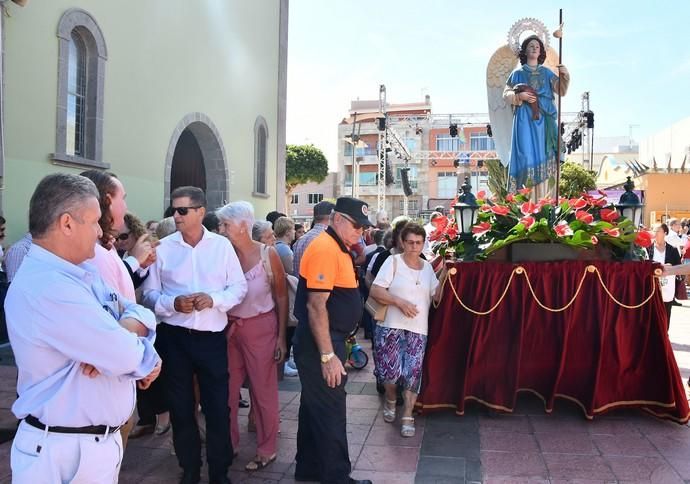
(123,236)
(183,210)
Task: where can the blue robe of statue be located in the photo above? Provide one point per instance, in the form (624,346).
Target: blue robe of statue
(534,142)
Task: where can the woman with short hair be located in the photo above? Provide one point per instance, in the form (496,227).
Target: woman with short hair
(256,331)
(407,284)
(284,231)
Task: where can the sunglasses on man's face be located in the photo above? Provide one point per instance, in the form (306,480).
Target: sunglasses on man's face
(123,236)
(183,210)
(355,225)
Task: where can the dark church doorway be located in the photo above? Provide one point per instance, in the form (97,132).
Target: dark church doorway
(188,163)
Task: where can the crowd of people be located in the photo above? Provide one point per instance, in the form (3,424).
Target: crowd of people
(190,309)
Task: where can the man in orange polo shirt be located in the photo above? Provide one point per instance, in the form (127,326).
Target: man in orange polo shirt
(328,306)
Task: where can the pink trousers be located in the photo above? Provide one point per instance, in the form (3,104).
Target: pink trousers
(251,345)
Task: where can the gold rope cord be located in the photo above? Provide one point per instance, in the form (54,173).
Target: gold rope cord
(521,270)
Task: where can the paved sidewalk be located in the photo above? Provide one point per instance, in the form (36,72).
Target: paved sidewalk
(528,446)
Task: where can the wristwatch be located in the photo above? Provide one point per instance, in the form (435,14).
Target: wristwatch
(326,357)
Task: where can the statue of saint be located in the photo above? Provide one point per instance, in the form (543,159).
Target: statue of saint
(530,89)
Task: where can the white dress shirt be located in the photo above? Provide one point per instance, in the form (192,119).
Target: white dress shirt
(60,315)
(211,267)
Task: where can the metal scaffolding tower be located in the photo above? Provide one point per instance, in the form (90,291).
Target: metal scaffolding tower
(381,192)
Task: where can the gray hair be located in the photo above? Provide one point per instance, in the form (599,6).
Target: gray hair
(166,227)
(259,227)
(56,195)
(237,212)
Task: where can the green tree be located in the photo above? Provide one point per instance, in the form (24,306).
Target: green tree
(575,180)
(304,164)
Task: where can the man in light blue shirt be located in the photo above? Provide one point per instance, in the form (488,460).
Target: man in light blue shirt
(77,363)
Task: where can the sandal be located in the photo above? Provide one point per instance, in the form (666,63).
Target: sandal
(259,463)
(407,429)
(388,412)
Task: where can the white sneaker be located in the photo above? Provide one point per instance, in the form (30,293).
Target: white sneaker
(291,363)
(289,371)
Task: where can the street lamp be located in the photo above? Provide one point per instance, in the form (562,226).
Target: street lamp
(466,210)
(629,205)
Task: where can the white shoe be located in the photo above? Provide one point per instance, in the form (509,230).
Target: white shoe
(289,371)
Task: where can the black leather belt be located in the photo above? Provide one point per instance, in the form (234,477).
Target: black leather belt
(91,429)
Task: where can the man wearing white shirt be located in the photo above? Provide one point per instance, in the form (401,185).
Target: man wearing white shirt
(76,361)
(194,282)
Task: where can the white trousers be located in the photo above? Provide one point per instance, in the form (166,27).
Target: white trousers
(40,457)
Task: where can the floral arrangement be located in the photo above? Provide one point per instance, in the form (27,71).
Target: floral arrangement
(586,222)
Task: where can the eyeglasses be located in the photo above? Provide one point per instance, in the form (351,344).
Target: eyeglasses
(414,242)
(183,210)
(123,236)
(355,225)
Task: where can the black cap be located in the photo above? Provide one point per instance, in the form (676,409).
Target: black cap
(356,209)
(323,208)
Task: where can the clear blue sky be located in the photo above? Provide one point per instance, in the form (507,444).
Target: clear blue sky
(633,57)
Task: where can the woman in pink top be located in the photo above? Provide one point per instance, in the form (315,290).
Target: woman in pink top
(256,335)
(111,196)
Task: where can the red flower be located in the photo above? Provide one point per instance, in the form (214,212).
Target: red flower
(500,209)
(595,241)
(510,198)
(616,232)
(481,228)
(599,202)
(527,221)
(481,195)
(577,203)
(525,191)
(528,208)
(562,229)
(584,217)
(546,201)
(609,215)
(485,208)
(561,200)
(643,238)
(440,223)
(452,232)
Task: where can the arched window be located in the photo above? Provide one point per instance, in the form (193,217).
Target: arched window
(81,78)
(76,96)
(260,151)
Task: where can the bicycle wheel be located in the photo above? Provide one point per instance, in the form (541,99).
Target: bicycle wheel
(358,359)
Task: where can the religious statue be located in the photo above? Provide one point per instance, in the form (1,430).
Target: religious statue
(522,110)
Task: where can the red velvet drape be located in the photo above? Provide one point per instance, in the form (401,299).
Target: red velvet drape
(596,353)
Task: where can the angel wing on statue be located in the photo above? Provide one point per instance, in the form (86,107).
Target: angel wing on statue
(522,109)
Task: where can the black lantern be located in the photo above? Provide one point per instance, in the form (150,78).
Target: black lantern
(629,205)
(466,210)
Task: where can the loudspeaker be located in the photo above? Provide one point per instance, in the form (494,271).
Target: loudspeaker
(405,179)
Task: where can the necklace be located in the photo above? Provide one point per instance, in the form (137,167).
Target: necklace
(419,274)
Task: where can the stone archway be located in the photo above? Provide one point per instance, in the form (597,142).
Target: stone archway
(197,133)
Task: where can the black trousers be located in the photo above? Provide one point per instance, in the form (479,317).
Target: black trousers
(152,401)
(322,453)
(186,353)
(668,306)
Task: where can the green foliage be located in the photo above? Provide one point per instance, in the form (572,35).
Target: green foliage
(575,180)
(304,164)
(498,178)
